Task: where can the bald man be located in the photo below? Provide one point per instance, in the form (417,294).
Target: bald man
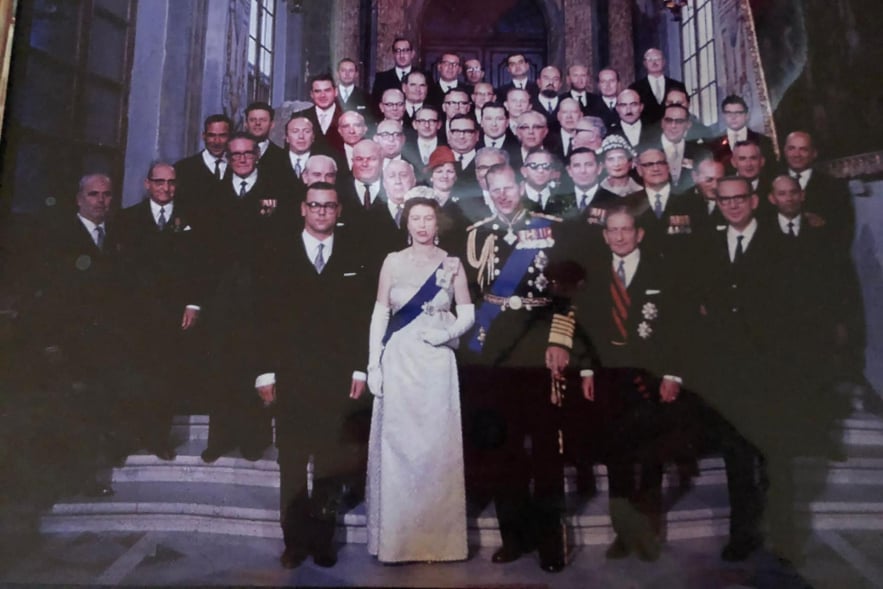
(653,87)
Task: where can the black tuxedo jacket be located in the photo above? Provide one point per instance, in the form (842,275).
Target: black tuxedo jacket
(606,114)
(532,88)
(654,110)
(593,101)
(312,329)
(669,236)
(436,96)
(360,102)
(829,198)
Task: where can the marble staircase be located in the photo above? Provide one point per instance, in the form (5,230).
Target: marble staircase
(237,497)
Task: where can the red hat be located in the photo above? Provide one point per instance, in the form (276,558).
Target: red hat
(441,155)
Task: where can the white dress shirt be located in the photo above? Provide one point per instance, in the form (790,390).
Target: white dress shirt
(90,227)
(166,209)
(209,161)
(249,180)
(783,224)
(747,235)
(632,132)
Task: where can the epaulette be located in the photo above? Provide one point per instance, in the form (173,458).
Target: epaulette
(545,216)
(480,223)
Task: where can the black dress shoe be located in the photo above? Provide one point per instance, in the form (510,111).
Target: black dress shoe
(617,550)
(738,551)
(292,558)
(252,454)
(506,554)
(164,453)
(96,489)
(325,559)
(552,565)
(210,454)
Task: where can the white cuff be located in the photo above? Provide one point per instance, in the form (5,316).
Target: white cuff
(677,379)
(586,372)
(194,307)
(359,375)
(265,379)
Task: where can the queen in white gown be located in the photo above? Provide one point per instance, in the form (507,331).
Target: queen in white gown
(415,496)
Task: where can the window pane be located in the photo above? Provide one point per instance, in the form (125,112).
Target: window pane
(101,114)
(267,33)
(42,101)
(107,48)
(252,58)
(52,29)
(253,19)
(266,62)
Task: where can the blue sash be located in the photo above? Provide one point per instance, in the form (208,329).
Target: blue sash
(510,277)
(412,309)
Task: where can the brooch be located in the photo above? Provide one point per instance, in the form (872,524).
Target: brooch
(649,311)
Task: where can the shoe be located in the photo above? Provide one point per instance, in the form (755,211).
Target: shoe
(292,558)
(506,554)
(251,454)
(617,550)
(96,489)
(552,565)
(210,454)
(738,551)
(325,559)
(164,453)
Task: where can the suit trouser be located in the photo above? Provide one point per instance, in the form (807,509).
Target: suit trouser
(515,403)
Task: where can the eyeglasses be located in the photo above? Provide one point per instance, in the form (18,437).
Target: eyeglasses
(400,50)
(736,199)
(161,181)
(538,165)
(323,206)
(243,155)
(426,121)
(735,112)
(653,164)
(530,127)
(473,70)
(671,121)
(389,135)
(457,102)
(462,131)
(394,104)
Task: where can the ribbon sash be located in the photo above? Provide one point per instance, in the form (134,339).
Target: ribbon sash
(412,309)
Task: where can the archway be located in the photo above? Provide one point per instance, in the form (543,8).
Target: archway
(488,31)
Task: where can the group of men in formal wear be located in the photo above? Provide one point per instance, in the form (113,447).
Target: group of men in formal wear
(645,291)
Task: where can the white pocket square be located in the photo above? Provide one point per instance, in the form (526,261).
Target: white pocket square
(347,274)
(652,292)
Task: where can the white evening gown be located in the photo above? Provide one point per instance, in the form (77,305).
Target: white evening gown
(416,496)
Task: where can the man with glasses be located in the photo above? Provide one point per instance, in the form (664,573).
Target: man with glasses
(448,79)
(456,102)
(540,172)
(679,153)
(391,139)
(403,56)
(166,283)
(462,139)
(483,93)
(474,72)
(392,106)
(735,119)
(653,87)
(531,131)
(243,211)
(425,139)
(310,371)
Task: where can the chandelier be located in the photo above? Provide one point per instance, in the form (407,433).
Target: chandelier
(675,7)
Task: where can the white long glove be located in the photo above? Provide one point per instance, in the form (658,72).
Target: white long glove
(379,321)
(465,319)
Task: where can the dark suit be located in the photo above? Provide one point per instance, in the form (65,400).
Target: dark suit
(532,88)
(385,80)
(593,101)
(723,152)
(829,198)
(510,145)
(196,182)
(313,353)
(163,275)
(629,363)
(358,101)
(331,138)
(648,134)
(653,109)
(273,161)
(436,96)
(670,235)
(605,113)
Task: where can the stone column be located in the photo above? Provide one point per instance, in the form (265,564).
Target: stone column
(622,44)
(390,24)
(346,39)
(579,44)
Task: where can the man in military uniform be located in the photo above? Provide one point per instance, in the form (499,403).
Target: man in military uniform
(504,378)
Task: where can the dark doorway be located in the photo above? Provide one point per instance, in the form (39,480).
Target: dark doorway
(487,30)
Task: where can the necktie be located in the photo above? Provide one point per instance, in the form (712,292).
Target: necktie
(583,201)
(399,215)
(345,95)
(737,255)
(319,262)
(413,111)
(297,168)
(611,104)
(791,229)
(402,77)
(569,145)
(549,106)
(218,169)
(657,206)
(798,176)
(161,220)
(620,271)
(99,236)
(323,122)
(582,100)
(242,186)
(366,198)
(619,310)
